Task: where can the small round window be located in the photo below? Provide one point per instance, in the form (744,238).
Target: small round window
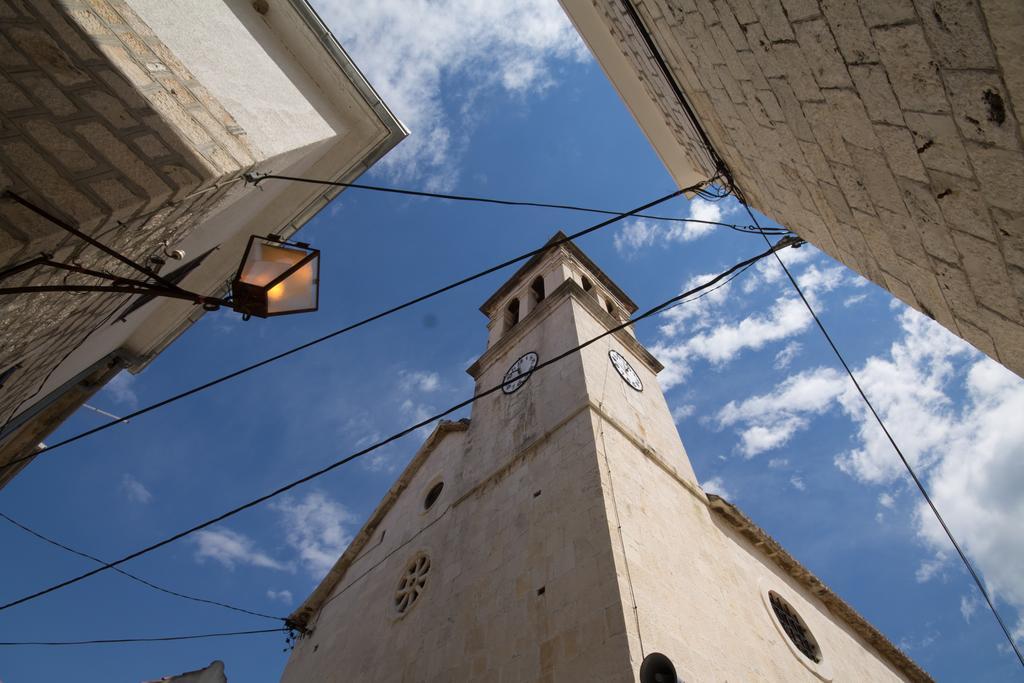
(795,627)
(411,585)
(432,495)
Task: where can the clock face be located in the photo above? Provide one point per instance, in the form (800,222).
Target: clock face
(519,373)
(625,370)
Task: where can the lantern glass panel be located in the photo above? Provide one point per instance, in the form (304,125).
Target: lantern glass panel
(297,292)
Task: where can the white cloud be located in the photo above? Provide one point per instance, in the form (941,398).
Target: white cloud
(798,483)
(968,456)
(416,380)
(784,357)
(318,528)
(706,330)
(231,548)
(853,300)
(681,412)
(716,486)
(778,463)
(968,606)
(134,490)
(121,390)
(284,596)
(639,233)
(634,235)
(412,51)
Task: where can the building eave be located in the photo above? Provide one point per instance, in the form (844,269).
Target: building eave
(836,605)
(517,278)
(312,604)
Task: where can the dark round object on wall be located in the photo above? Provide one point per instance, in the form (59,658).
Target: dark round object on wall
(657,668)
(432,495)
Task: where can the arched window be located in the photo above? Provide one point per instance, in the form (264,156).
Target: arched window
(512,314)
(538,289)
(586,284)
(610,307)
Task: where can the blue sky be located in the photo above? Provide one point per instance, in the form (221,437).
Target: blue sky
(505,102)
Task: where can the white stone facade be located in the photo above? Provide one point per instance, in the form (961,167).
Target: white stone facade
(562,503)
(135,122)
(885,132)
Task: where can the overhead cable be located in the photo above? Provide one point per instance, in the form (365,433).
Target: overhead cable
(257,178)
(133,577)
(348,328)
(156,639)
(906,463)
(783,243)
(722,168)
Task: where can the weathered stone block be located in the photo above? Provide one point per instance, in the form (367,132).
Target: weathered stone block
(791,59)
(1005,21)
(908,63)
(938,143)
(1008,338)
(798,10)
(63,149)
(981,108)
(791,109)
(957,33)
(110,108)
(773,19)
(1010,228)
(37,44)
(822,54)
(876,94)
(886,12)
(962,204)
(898,146)
(850,32)
(987,274)
(48,94)
(125,161)
(978,338)
(21,158)
(826,132)
(929,220)
(850,118)
(1001,173)
(928,294)
(11,97)
(878,179)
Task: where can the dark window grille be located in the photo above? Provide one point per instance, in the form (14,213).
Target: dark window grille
(795,628)
(412,583)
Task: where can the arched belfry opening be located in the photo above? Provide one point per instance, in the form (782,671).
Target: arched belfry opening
(512,314)
(610,307)
(587,286)
(537,289)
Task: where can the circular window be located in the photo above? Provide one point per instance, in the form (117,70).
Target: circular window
(432,495)
(795,627)
(410,586)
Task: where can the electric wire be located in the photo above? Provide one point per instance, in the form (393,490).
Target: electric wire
(722,169)
(348,328)
(133,577)
(155,639)
(257,178)
(906,463)
(785,242)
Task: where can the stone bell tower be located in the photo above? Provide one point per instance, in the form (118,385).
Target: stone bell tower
(561,535)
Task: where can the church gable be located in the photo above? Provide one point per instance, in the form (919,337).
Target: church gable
(421,493)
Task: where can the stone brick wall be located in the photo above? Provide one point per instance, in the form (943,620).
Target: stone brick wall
(883,131)
(102,125)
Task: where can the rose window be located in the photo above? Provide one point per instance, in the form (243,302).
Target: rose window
(414,578)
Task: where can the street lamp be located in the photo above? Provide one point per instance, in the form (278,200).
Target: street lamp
(275,277)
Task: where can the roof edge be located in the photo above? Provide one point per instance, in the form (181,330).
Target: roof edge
(304,612)
(558,240)
(835,604)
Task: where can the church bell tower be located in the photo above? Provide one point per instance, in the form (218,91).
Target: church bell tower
(560,534)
